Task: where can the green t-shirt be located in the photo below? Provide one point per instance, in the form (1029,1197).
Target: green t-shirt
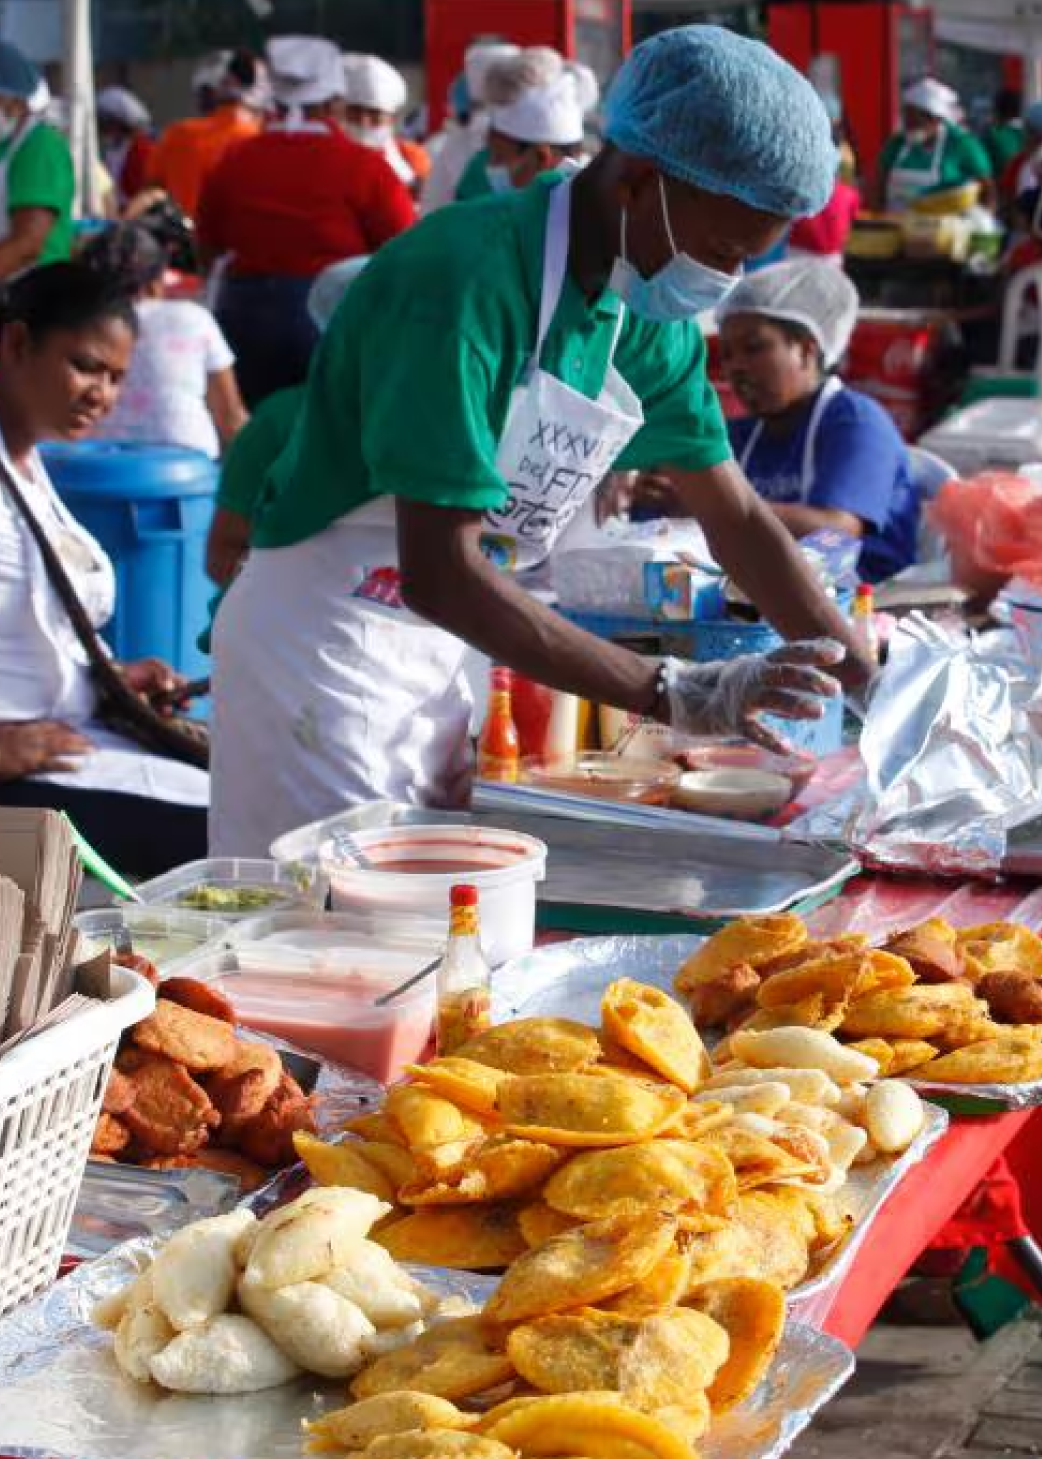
(963,159)
(409,389)
(260,442)
(1003,141)
(40,175)
(474,183)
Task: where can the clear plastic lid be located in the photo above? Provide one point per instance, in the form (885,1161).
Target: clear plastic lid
(232,887)
(166,936)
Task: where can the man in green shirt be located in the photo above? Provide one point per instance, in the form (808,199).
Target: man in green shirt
(931,153)
(37,181)
(1004,137)
(485,371)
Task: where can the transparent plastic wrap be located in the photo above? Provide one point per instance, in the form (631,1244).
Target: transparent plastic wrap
(952,747)
(64,1397)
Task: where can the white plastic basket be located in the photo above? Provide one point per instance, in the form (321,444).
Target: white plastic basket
(51,1089)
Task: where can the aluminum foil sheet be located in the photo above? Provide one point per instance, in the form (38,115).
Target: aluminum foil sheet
(567,981)
(64,1398)
(952,745)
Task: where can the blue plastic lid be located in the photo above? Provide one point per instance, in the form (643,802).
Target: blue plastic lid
(129,469)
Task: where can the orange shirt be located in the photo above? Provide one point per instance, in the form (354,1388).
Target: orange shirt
(188,151)
(416,155)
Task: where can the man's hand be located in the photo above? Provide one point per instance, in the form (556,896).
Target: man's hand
(621,491)
(226,546)
(37,746)
(154,680)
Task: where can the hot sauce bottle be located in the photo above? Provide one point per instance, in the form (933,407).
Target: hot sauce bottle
(499,748)
(464,997)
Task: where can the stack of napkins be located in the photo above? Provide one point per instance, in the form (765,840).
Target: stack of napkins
(40,866)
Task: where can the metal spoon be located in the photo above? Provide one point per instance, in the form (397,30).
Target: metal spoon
(424,972)
(347,846)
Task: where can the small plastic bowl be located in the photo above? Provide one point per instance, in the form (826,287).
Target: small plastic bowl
(735,793)
(797,768)
(606,777)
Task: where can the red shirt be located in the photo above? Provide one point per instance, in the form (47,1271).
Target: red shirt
(827,233)
(288,203)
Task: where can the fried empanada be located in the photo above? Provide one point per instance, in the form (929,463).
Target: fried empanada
(201,1043)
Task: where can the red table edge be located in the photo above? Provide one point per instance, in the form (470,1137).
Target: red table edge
(918,1209)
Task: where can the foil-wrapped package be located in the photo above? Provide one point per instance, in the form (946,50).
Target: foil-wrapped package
(952,747)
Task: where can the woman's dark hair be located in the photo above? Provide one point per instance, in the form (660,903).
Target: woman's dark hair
(65,296)
(129,255)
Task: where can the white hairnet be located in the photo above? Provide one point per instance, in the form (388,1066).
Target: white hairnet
(305,70)
(373,82)
(476,62)
(586,82)
(123,106)
(330,286)
(552,114)
(806,291)
(934,98)
(725,114)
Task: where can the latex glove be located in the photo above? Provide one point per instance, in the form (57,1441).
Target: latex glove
(729,697)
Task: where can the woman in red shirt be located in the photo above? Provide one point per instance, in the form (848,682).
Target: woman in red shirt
(281,207)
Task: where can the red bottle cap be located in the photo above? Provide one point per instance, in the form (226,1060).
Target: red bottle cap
(865,590)
(502,680)
(463,896)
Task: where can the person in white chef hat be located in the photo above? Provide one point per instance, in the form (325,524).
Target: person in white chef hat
(376,96)
(540,130)
(931,152)
(453,148)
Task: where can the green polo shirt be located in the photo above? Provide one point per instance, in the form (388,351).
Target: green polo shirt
(474,183)
(409,389)
(260,442)
(963,158)
(40,175)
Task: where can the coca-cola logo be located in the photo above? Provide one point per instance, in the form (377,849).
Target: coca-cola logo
(903,357)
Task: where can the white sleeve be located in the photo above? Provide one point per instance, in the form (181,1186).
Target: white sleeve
(219,354)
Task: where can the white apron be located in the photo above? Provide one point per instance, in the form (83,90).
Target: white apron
(831,388)
(326,693)
(905,184)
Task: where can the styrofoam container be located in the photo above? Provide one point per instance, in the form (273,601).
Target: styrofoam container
(1003,431)
(505,866)
(166,936)
(325,1005)
(51,1088)
(285,886)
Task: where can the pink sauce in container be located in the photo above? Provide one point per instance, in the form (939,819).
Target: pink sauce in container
(414,868)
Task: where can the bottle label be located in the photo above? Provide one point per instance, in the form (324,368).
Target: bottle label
(463,922)
(461,1016)
(503,769)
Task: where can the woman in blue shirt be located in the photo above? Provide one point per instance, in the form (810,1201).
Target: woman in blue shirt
(822,454)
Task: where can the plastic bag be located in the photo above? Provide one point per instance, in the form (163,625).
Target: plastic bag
(992,524)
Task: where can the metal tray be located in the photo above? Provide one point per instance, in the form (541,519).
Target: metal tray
(606,876)
(566,981)
(64,1398)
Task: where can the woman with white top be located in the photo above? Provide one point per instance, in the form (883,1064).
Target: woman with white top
(66,340)
(180,389)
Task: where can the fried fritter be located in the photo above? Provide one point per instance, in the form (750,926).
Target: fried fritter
(199,997)
(197,1041)
(268,1137)
(110,1136)
(932,950)
(728,998)
(1012,997)
(171,1113)
(119,1094)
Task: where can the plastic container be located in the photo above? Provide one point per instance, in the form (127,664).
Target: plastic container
(798,770)
(605,776)
(736,793)
(150,508)
(325,1005)
(276,888)
(166,938)
(1003,431)
(51,1088)
(504,866)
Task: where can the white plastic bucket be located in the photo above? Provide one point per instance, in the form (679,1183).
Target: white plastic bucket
(504,866)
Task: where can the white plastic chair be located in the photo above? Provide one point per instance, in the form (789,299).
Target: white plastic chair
(929,473)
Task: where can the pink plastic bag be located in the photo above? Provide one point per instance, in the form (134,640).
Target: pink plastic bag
(992,524)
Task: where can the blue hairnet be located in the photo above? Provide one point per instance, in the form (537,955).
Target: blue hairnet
(18,76)
(726,114)
(1033,117)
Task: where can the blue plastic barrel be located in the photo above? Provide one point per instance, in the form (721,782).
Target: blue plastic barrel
(150,508)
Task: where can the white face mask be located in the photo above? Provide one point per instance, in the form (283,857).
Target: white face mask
(8,126)
(376,137)
(500,179)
